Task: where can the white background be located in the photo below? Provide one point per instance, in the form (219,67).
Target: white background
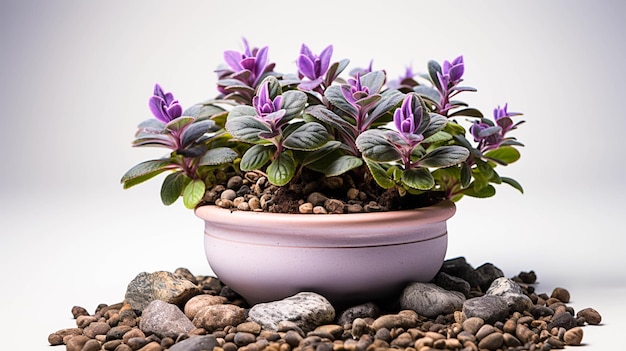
(75,78)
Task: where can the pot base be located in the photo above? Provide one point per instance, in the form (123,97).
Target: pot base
(346,258)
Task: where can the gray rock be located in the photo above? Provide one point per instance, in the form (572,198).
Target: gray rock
(490,308)
(450,282)
(308,310)
(512,293)
(366,310)
(214,317)
(429,300)
(486,274)
(196,343)
(164,320)
(164,286)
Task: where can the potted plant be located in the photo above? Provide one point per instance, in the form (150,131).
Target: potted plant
(390,156)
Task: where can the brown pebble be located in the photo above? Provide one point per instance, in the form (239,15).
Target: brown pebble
(510,340)
(561,294)
(111,345)
(91,345)
(472,324)
(590,315)
(83,321)
(492,341)
(306,208)
(334,206)
(96,328)
(76,343)
(79,311)
(123,347)
(573,336)
(55,339)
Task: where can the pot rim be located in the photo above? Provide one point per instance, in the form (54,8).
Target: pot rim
(321,230)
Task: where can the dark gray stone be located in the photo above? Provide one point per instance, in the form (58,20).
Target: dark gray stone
(512,293)
(563,320)
(366,310)
(450,282)
(308,310)
(489,307)
(486,274)
(429,300)
(196,343)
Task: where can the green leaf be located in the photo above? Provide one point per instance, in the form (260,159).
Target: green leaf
(241,111)
(513,183)
(375,146)
(172,187)
(468,112)
(309,136)
(503,155)
(466,175)
(256,157)
(293,102)
(436,123)
(418,178)
(179,123)
(335,96)
(193,193)
(144,171)
(218,156)
(246,128)
(444,156)
(281,170)
(329,117)
(321,152)
(373,81)
(391,98)
(433,69)
(196,130)
(438,137)
(484,192)
(380,175)
(485,169)
(342,164)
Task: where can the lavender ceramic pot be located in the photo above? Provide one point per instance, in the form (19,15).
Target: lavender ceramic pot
(346,258)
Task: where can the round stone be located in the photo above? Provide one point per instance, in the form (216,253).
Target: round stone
(573,336)
(306,208)
(228,194)
(590,315)
(561,294)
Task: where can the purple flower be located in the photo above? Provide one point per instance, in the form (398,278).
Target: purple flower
(163,105)
(354,91)
(503,118)
(451,73)
(312,66)
(408,119)
(266,108)
(252,63)
(488,136)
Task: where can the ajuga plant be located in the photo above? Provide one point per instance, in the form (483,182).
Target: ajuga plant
(404,136)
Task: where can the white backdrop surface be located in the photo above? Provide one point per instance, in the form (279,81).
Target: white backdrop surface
(76,76)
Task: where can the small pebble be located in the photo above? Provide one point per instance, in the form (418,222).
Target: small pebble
(573,336)
(561,294)
(540,327)
(590,315)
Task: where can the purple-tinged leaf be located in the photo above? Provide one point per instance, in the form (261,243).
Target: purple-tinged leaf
(144,171)
(218,156)
(444,156)
(195,131)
